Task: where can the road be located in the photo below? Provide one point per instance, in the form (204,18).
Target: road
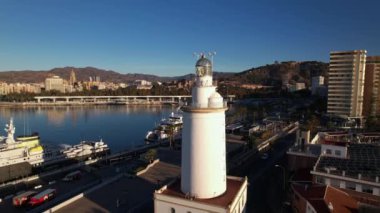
(265,191)
(63,189)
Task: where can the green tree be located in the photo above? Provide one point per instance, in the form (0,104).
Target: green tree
(150,155)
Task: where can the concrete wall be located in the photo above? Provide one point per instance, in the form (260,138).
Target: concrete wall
(334,151)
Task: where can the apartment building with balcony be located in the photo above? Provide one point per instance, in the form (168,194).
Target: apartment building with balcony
(346,83)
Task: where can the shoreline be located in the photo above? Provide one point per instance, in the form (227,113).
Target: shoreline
(27,104)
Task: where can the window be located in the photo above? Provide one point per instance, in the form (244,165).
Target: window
(335,182)
(319,179)
(328,151)
(172,210)
(337,152)
(350,185)
(367,189)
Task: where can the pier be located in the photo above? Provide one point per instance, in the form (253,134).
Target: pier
(149,99)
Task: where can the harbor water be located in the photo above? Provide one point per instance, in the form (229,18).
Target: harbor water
(120,126)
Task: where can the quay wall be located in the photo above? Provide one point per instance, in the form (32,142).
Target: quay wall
(26,104)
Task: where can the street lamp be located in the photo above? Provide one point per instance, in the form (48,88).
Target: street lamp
(283,172)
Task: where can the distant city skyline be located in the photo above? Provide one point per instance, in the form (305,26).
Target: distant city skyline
(159,37)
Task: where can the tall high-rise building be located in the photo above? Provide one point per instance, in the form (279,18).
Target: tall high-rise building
(346,83)
(371,103)
(204,185)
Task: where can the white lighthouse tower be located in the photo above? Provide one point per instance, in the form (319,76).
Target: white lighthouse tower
(203,138)
(204,185)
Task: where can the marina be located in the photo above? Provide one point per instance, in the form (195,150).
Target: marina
(122,127)
(22,155)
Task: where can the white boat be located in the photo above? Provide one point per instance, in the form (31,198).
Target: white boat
(174,119)
(171,125)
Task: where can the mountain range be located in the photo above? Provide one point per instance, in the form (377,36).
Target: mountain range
(268,75)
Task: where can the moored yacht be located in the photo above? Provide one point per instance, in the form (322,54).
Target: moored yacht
(167,127)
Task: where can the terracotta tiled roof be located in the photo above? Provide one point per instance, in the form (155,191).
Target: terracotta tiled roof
(223,200)
(363,197)
(340,201)
(319,205)
(322,198)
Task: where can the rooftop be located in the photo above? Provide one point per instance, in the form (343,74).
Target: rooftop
(312,150)
(345,138)
(224,200)
(320,197)
(363,159)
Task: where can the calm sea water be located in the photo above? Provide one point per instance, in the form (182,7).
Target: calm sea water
(120,126)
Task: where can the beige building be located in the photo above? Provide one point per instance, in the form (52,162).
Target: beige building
(346,83)
(371,104)
(296,87)
(54,83)
(6,88)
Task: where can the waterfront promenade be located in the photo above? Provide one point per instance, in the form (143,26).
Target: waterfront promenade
(149,99)
(106,100)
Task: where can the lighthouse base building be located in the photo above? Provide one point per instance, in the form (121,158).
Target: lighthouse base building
(171,199)
(204,185)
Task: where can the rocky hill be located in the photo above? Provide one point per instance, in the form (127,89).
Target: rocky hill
(83,74)
(275,74)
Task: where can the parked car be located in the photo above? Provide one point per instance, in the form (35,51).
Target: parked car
(73,176)
(42,197)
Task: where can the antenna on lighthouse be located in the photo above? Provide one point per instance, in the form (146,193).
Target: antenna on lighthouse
(198,55)
(211,55)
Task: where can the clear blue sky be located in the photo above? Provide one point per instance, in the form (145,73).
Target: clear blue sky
(159,36)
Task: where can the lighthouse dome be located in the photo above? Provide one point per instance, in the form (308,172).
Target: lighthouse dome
(216,100)
(203,67)
(204,62)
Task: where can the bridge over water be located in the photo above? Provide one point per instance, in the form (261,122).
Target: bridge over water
(159,99)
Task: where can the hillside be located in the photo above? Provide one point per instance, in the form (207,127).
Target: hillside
(274,74)
(83,74)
